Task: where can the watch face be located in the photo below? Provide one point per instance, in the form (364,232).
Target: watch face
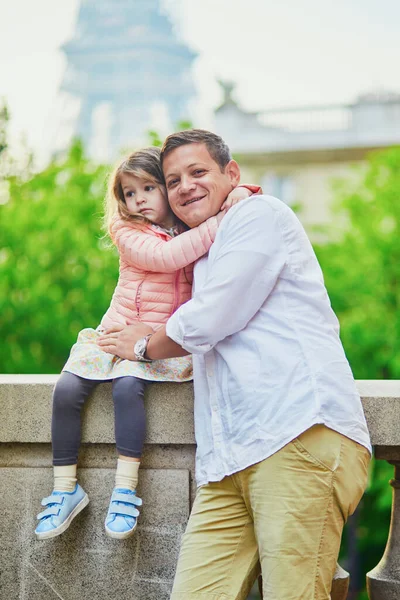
(140,348)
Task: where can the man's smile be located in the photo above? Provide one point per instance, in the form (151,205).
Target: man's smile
(193,200)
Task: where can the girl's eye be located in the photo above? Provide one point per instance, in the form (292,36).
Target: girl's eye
(129,194)
(149,188)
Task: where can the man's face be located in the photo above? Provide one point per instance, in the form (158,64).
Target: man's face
(195,184)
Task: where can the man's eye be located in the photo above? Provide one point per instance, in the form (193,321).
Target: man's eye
(172,182)
(199,172)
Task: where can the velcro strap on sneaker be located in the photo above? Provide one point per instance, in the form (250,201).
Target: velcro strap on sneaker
(49,512)
(52,500)
(127,510)
(126,498)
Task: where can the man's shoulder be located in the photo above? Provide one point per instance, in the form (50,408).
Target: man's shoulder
(260,207)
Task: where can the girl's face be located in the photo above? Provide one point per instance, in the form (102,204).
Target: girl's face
(146,198)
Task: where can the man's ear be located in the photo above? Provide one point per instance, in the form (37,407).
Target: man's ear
(232,169)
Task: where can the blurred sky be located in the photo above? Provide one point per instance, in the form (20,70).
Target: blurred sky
(280,53)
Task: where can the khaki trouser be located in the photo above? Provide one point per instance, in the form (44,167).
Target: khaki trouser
(285,513)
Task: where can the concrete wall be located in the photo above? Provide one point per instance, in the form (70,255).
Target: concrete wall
(309,185)
(84,563)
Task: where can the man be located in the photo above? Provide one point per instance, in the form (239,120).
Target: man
(282,443)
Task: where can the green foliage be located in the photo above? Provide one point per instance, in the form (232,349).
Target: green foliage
(57,271)
(361,267)
(183,125)
(4,119)
(8,164)
(374,515)
(154,139)
(56,275)
(4,151)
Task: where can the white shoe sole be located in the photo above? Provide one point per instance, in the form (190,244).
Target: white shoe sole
(45,535)
(120,535)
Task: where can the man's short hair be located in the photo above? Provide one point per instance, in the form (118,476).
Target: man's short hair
(215,145)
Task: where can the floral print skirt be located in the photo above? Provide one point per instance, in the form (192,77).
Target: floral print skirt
(89,361)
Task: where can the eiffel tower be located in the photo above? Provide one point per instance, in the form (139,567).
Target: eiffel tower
(125,57)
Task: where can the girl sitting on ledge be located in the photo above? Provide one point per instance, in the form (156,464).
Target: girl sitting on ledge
(155,278)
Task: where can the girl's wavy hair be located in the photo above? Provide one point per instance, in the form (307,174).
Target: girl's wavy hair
(146,164)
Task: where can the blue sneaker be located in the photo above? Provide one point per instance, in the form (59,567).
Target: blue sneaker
(61,508)
(122,513)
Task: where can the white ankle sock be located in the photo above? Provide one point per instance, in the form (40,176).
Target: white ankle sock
(127,474)
(64,478)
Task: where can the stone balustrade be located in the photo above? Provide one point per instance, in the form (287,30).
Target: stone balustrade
(84,563)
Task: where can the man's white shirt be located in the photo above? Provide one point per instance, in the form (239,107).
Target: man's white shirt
(267,358)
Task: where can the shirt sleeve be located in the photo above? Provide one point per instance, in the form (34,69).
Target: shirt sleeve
(254,189)
(151,253)
(251,255)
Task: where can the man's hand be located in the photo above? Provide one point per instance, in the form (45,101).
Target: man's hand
(120,340)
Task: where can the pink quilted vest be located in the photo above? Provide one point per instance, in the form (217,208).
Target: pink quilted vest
(155,271)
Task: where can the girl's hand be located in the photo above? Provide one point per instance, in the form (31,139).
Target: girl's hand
(236,195)
(220,215)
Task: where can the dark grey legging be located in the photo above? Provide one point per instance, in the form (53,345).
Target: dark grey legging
(69,397)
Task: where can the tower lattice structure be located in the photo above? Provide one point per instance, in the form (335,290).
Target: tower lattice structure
(125,55)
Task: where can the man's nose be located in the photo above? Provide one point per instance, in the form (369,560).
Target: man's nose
(187,184)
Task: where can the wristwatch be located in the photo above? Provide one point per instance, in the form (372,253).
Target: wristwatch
(140,349)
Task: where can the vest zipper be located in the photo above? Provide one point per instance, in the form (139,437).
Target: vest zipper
(138,299)
(176,291)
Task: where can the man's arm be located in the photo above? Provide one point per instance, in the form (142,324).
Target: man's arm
(161,346)
(120,341)
(251,256)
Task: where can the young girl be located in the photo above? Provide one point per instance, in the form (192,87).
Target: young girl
(155,278)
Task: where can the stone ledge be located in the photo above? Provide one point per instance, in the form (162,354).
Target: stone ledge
(381,402)
(26,411)
(93,566)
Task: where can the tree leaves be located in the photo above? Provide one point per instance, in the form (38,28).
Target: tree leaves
(361,266)
(56,275)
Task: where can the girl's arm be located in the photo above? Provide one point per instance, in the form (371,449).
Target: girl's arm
(150,253)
